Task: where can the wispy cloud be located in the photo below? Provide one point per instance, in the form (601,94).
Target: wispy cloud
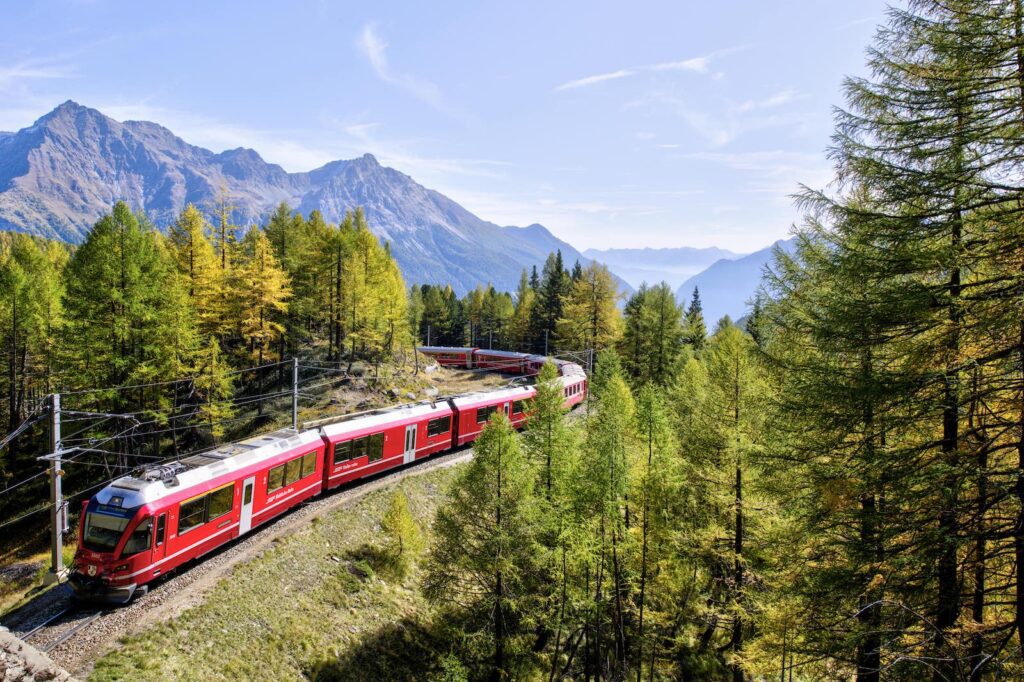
(694,65)
(776,100)
(375,49)
(593,80)
(30,70)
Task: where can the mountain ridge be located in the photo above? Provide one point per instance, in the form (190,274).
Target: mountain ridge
(673,265)
(59,175)
(728,284)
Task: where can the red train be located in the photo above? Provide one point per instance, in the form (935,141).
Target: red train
(149,523)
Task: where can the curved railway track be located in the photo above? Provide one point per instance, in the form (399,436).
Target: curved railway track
(53,623)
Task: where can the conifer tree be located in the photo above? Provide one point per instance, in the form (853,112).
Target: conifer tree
(696,329)
(262,292)
(590,318)
(198,263)
(652,341)
(127,318)
(522,314)
(483,562)
(404,538)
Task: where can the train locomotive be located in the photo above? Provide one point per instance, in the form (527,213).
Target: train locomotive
(148,523)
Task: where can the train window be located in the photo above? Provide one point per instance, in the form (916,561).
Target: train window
(161,529)
(438,426)
(220,502)
(102,531)
(342,451)
(375,448)
(359,448)
(518,406)
(276,478)
(192,514)
(308,463)
(293,470)
(139,539)
(484,413)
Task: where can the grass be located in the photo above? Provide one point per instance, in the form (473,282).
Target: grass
(23,568)
(321,604)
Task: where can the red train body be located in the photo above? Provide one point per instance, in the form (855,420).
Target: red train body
(145,525)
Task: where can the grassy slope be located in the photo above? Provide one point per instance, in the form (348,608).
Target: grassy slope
(312,606)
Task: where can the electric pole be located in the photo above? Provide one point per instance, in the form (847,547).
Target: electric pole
(58,511)
(295,394)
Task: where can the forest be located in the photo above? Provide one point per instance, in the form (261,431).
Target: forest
(833,490)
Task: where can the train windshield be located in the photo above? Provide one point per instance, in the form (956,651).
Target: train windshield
(102,531)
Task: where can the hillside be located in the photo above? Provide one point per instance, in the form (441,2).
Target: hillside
(60,174)
(727,285)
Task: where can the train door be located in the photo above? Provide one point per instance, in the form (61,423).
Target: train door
(245,520)
(160,539)
(410,443)
(507,407)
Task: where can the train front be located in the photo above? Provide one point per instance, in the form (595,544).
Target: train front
(115,547)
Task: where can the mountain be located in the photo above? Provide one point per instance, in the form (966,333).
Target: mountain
(727,285)
(59,175)
(673,266)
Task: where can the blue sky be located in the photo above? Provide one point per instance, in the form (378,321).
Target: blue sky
(613,124)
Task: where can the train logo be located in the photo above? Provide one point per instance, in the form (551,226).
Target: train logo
(92,570)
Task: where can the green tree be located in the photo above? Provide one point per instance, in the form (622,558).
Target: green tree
(590,317)
(197,261)
(652,341)
(403,535)
(696,329)
(483,562)
(127,318)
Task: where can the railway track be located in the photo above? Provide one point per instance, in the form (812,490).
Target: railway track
(56,629)
(61,627)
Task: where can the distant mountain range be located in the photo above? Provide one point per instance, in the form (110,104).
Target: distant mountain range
(728,285)
(58,176)
(652,266)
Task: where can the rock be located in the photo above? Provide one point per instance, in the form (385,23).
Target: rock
(430,369)
(410,396)
(23,662)
(395,391)
(431,391)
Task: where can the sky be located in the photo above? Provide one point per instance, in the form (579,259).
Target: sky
(614,124)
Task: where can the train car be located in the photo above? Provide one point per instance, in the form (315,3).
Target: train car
(500,361)
(533,364)
(365,444)
(574,388)
(150,522)
(450,357)
(475,409)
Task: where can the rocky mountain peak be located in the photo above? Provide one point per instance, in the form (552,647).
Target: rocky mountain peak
(60,175)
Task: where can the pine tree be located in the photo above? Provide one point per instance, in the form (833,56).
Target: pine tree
(652,342)
(696,330)
(483,562)
(197,261)
(127,318)
(214,385)
(522,314)
(403,536)
(590,318)
(262,293)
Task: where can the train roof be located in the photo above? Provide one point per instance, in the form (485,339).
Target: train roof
(151,483)
(501,353)
(443,349)
(498,395)
(385,415)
